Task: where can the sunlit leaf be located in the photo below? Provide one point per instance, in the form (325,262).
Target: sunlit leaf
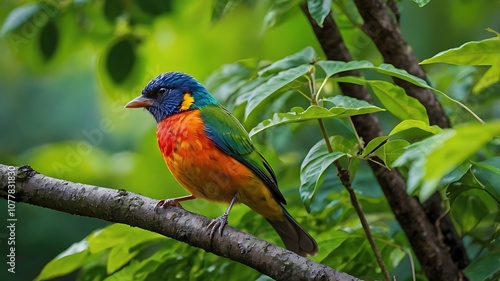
(416,153)
(17,17)
(415,124)
(298,114)
(373,144)
(394,98)
(396,101)
(342,144)
(421,3)
(466,141)
(319,9)
(270,86)
(313,167)
(65,262)
(490,77)
(484,52)
(484,268)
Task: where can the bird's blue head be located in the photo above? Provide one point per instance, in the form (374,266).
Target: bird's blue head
(170,93)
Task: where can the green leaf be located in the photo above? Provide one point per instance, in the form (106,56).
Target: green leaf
(484,268)
(121,59)
(314,165)
(335,239)
(155,8)
(470,209)
(391,151)
(273,84)
(456,174)
(488,173)
(394,98)
(415,154)
(397,102)
(490,77)
(19,16)
(304,57)
(278,11)
(406,125)
(298,114)
(374,143)
(389,69)
(229,78)
(65,262)
(220,8)
(353,106)
(465,141)
(49,40)
(485,52)
(421,3)
(334,67)
(319,9)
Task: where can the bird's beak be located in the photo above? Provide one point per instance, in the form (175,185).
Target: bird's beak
(140,101)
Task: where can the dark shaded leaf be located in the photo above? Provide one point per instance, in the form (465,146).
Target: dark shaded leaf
(49,40)
(120,60)
(484,268)
(155,7)
(114,8)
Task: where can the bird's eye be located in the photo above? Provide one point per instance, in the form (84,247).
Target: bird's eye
(162,91)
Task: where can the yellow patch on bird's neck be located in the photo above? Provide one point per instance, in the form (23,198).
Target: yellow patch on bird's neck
(187,101)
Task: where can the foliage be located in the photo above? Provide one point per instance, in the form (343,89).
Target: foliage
(289,94)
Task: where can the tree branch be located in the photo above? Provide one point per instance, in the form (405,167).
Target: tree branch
(121,206)
(429,249)
(386,34)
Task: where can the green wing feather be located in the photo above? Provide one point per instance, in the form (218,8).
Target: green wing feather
(230,136)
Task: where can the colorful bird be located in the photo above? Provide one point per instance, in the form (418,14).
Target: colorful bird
(211,155)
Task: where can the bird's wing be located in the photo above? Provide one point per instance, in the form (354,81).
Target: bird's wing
(230,136)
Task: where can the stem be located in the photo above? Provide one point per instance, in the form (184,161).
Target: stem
(345,178)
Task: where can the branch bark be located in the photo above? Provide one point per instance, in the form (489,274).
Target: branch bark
(121,206)
(418,225)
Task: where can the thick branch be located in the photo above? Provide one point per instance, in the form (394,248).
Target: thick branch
(133,209)
(385,33)
(429,249)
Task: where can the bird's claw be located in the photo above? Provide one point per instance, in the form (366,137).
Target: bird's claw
(217,224)
(167,203)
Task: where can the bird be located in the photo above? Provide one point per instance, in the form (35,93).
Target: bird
(209,152)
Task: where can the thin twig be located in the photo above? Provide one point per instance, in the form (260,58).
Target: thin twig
(345,178)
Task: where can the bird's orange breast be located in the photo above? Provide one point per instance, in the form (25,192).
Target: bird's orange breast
(205,170)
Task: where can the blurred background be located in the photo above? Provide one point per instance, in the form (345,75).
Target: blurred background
(66,75)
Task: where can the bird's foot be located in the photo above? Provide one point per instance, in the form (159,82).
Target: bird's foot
(217,224)
(167,203)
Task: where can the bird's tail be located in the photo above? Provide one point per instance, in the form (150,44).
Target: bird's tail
(296,239)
